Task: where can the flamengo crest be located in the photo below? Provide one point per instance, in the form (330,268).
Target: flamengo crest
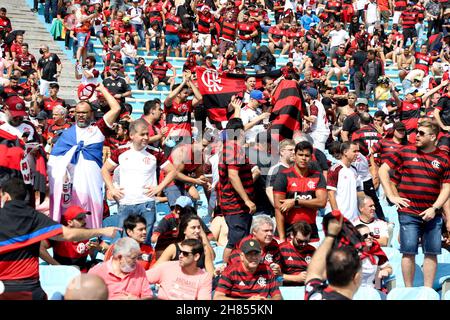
(211,80)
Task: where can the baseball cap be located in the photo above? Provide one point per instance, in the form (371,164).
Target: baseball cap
(205,8)
(411,91)
(400,126)
(74,212)
(16,106)
(312,92)
(209,56)
(250,245)
(184,201)
(362,101)
(42,116)
(257,95)
(116,48)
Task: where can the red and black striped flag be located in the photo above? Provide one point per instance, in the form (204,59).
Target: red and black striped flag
(287,113)
(12,152)
(217,89)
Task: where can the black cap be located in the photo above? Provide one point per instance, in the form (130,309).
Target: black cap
(250,245)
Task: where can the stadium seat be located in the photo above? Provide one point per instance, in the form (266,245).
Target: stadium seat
(367,293)
(56,278)
(111,221)
(393,254)
(442,279)
(396,279)
(293,293)
(218,250)
(416,293)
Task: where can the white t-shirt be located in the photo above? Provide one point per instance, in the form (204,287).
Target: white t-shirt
(372,13)
(317,110)
(137,170)
(247,115)
(338,37)
(345,182)
(362,168)
(377,226)
(297,58)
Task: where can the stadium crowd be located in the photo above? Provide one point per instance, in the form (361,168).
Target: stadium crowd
(298,151)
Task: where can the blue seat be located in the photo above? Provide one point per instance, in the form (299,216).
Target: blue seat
(396,280)
(111,221)
(392,254)
(218,250)
(56,278)
(367,293)
(293,293)
(446,296)
(416,293)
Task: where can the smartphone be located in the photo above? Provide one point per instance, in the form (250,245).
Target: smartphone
(95,239)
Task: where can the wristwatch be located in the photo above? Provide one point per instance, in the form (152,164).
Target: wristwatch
(296,202)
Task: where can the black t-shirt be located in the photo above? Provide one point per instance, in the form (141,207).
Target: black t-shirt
(359,57)
(444,106)
(117,86)
(48,67)
(316,289)
(320,163)
(351,124)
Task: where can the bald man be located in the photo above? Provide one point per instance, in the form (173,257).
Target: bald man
(87,287)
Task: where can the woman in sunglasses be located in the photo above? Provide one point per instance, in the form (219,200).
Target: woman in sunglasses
(375,264)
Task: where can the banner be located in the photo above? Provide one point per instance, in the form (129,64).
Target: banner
(287,112)
(218,88)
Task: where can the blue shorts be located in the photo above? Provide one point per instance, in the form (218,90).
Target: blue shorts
(412,227)
(247,44)
(238,228)
(172,40)
(81,38)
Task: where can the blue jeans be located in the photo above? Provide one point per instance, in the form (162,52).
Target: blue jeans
(172,40)
(53,4)
(129,60)
(412,227)
(146,210)
(173,193)
(247,44)
(139,28)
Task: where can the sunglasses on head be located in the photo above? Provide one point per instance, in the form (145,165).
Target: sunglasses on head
(367,235)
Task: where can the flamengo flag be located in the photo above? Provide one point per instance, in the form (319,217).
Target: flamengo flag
(287,112)
(12,152)
(217,90)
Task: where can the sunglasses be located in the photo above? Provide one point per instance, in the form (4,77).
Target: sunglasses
(185,253)
(367,235)
(421,133)
(303,242)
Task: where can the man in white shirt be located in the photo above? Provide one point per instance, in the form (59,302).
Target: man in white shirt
(343,184)
(252,116)
(367,216)
(135,13)
(137,164)
(317,119)
(372,15)
(337,36)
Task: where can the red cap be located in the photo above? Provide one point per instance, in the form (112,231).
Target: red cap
(74,212)
(16,106)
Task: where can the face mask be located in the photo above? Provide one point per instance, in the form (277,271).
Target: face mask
(170,143)
(127,268)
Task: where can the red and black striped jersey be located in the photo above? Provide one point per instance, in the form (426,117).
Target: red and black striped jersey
(159,69)
(367,136)
(48,103)
(236,282)
(245,29)
(172,23)
(423,61)
(409,19)
(399,5)
(155,10)
(233,157)
(204,22)
(317,289)
(294,186)
(277,33)
(410,113)
(334,5)
(269,254)
(294,261)
(422,176)
(383,149)
(228,30)
(178,117)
